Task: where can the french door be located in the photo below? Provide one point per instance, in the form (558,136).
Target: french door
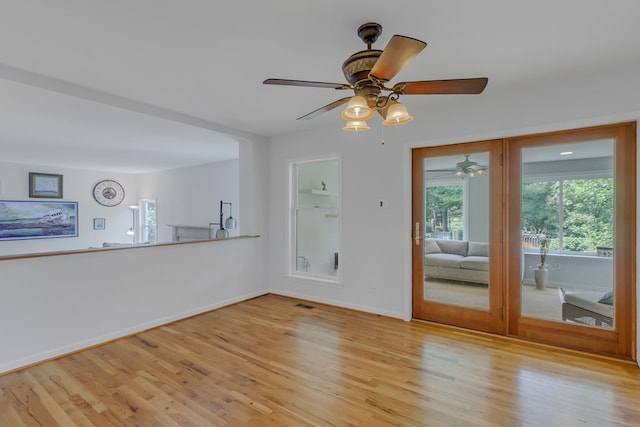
(457,236)
(575,190)
(530,236)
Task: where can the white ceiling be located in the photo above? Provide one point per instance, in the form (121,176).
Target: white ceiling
(163,84)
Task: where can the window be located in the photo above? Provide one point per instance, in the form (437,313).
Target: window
(148,221)
(443,211)
(574,215)
(569,201)
(315,214)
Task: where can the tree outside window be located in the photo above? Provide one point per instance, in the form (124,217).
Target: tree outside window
(444,211)
(575,215)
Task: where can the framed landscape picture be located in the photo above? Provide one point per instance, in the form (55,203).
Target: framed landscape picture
(37,220)
(45,185)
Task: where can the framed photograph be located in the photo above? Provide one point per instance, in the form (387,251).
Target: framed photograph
(30,219)
(45,185)
(99,223)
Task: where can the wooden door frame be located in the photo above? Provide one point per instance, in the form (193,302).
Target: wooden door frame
(619,342)
(491,320)
(507,270)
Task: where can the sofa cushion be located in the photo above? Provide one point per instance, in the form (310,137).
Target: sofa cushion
(607,298)
(431,247)
(457,247)
(478,249)
(475,263)
(443,260)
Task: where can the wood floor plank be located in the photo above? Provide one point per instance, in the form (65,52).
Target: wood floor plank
(271,362)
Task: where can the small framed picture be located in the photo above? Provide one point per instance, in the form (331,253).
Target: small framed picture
(99,223)
(45,185)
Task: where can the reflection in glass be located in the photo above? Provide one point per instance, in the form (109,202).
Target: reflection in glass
(567,232)
(456,230)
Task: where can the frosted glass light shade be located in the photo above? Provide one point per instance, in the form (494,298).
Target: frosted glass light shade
(356,126)
(230,223)
(357,109)
(397,115)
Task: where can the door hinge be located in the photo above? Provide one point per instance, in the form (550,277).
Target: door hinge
(501,159)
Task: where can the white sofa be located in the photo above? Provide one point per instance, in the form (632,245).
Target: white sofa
(591,308)
(457,260)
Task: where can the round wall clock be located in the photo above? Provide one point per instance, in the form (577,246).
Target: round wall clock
(108,192)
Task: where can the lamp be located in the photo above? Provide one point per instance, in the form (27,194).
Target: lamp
(356,125)
(397,115)
(225,225)
(469,168)
(361,108)
(357,109)
(132,229)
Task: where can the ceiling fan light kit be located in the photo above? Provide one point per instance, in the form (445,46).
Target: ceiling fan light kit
(357,109)
(369,70)
(397,115)
(356,126)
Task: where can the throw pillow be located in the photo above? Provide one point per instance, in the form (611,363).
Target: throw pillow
(431,247)
(478,249)
(456,247)
(607,298)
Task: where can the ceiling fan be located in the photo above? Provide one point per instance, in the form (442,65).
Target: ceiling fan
(368,71)
(464,168)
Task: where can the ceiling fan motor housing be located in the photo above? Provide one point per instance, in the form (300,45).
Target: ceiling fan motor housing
(357,67)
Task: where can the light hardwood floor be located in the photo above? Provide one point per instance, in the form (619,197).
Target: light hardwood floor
(270,362)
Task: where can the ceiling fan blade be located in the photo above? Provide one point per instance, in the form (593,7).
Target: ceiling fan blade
(396,55)
(324,109)
(285,82)
(442,87)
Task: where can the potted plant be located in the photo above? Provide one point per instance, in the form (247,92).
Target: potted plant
(541,272)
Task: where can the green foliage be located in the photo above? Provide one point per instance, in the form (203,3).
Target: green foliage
(540,207)
(587,212)
(443,208)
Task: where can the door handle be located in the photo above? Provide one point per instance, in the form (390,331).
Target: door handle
(416,235)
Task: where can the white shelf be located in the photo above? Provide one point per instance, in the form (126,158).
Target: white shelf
(323,193)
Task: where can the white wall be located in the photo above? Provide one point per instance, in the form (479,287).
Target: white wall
(478,209)
(191,196)
(371,253)
(577,272)
(376,243)
(77,187)
(57,304)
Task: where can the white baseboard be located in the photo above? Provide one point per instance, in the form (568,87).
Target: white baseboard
(328,301)
(81,345)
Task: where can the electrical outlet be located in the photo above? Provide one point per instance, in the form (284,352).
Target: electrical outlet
(373,284)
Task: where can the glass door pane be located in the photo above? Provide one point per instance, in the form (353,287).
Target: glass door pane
(457,221)
(567,232)
(456,230)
